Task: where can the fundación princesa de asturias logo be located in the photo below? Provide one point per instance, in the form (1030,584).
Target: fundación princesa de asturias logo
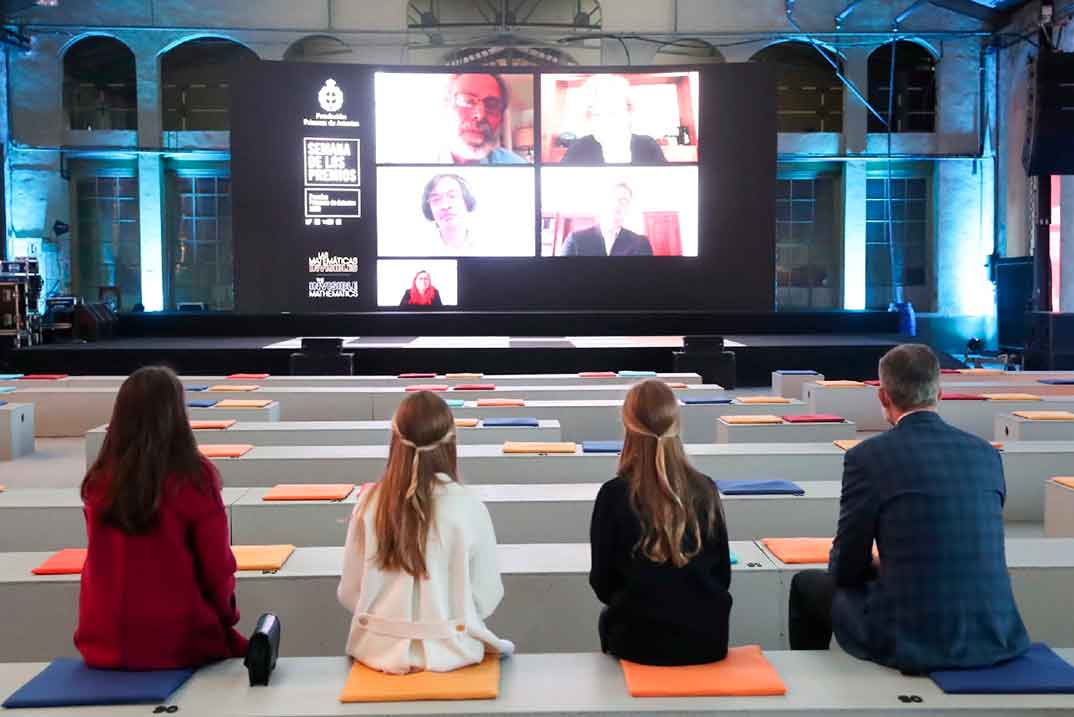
(330,96)
(322,263)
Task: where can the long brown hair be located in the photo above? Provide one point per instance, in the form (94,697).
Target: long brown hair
(423,444)
(148,439)
(678,506)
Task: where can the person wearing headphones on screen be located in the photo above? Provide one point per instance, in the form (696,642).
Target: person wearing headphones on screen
(609,112)
(609,237)
(476,105)
(448,203)
(421,292)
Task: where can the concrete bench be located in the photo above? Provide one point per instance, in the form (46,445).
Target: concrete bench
(548,604)
(1008,427)
(783,432)
(268,414)
(1058,510)
(16,429)
(1005,377)
(567,685)
(539,513)
(789,384)
(1041,570)
(340,433)
(858,404)
(269,465)
(979,417)
(1027,466)
(51,518)
(519,379)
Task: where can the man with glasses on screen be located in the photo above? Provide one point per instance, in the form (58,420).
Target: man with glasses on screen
(609,237)
(477,104)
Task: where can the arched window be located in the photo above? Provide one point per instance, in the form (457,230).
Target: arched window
(318,48)
(99,87)
(196,80)
(915,87)
(809,95)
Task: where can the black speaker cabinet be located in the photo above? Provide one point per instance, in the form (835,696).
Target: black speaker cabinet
(1049,147)
(304,363)
(1014,291)
(713,366)
(1049,341)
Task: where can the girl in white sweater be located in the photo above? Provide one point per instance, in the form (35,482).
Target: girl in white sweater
(419,566)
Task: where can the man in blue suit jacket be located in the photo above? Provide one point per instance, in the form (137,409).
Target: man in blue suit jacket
(931,497)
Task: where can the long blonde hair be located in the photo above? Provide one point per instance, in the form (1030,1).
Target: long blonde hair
(422,445)
(678,506)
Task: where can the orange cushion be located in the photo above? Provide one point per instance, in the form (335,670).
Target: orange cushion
(596,374)
(538,447)
(237,388)
(248,376)
(211,425)
(309,491)
(476,682)
(68,561)
(1011,397)
(414,388)
(981,371)
(226,450)
(463,376)
(841,384)
(762,399)
(847,443)
(997,445)
(466,423)
(242,403)
(261,557)
(751,420)
(3,488)
(1068,482)
(745,672)
(1045,415)
(499,402)
(800,551)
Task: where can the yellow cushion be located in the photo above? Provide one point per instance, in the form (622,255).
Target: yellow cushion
(226,450)
(1067,482)
(463,376)
(261,557)
(499,402)
(847,443)
(476,682)
(762,399)
(751,420)
(309,491)
(841,384)
(538,447)
(466,422)
(1046,415)
(234,388)
(745,672)
(981,371)
(1011,397)
(242,403)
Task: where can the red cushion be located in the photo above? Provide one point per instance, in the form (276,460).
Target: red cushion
(814,418)
(945,396)
(44,376)
(949,370)
(873,382)
(475,387)
(597,374)
(417,375)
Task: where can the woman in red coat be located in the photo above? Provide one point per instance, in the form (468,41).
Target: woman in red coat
(158,586)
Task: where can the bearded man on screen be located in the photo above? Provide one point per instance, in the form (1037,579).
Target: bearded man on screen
(476,107)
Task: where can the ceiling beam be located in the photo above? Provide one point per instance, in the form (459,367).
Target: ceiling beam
(969,8)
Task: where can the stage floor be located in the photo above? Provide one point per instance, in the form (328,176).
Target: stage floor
(835,355)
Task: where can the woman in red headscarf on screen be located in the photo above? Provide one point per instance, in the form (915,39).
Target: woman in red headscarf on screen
(421,292)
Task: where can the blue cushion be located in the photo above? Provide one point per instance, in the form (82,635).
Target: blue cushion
(10,376)
(494,422)
(1038,671)
(1057,381)
(7,389)
(636,374)
(3,403)
(703,400)
(734,558)
(196,388)
(759,487)
(602,446)
(454,402)
(201,404)
(68,682)
(796,372)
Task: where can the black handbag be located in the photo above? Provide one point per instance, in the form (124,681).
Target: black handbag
(264,649)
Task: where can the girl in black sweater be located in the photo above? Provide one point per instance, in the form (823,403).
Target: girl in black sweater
(660,558)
